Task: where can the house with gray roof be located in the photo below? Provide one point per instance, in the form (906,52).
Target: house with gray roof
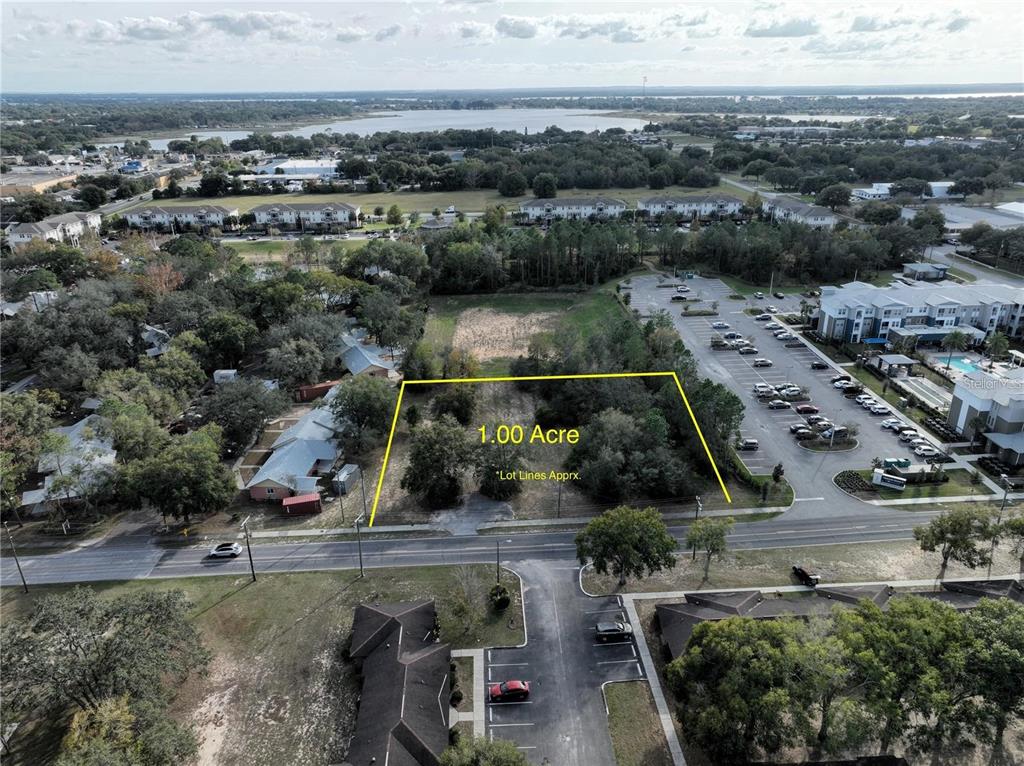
(795,211)
(180,216)
(404,705)
(361,357)
(312,215)
(66,227)
(572,208)
(701,205)
(84,459)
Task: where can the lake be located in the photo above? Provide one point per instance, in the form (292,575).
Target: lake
(414,120)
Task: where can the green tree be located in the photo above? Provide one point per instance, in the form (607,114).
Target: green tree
(739,688)
(240,408)
(479,751)
(512,184)
(130,387)
(954,341)
(228,337)
(996,345)
(545,186)
(956,535)
(296,362)
(496,467)
(186,479)
(364,406)
(629,542)
(709,535)
(26,419)
(78,649)
(996,664)
(438,458)
(834,196)
(756,168)
(457,400)
(91,196)
(394,216)
(176,369)
(1013,530)
(135,433)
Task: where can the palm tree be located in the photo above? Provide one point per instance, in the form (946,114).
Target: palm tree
(955,341)
(997,345)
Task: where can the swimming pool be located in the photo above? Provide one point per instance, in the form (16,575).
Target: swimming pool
(962,363)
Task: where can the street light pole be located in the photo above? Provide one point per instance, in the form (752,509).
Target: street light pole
(359,543)
(248,547)
(698,509)
(497,561)
(15,554)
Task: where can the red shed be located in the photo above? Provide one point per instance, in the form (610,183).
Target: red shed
(301,504)
(314,390)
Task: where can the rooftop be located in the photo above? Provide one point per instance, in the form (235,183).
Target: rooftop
(573,202)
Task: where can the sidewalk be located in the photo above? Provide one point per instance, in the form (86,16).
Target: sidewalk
(993,498)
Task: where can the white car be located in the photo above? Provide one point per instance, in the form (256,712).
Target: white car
(682,289)
(878,409)
(720,325)
(926,450)
(225,550)
(763,317)
(841,384)
(762,362)
(784,335)
(773,326)
(863,398)
(909,435)
(891,423)
(772,309)
(868,404)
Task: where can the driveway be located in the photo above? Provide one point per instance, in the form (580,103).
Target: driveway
(809,472)
(564,721)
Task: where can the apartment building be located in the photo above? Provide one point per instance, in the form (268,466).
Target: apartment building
(689,205)
(795,211)
(924,312)
(66,227)
(570,208)
(302,215)
(874,192)
(180,216)
(998,400)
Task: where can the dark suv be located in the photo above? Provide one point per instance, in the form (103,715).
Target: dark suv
(613,631)
(805,577)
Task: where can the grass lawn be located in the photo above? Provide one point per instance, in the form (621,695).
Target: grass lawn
(961,274)
(276,251)
(470,200)
(891,395)
(637,736)
(742,287)
(861,562)
(959,484)
(279,690)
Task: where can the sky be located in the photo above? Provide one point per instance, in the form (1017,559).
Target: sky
(100,47)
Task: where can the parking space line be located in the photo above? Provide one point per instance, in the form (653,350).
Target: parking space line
(616,662)
(508,664)
(523,702)
(599,611)
(498,725)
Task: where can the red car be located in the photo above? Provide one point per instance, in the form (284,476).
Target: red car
(807,409)
(509,691)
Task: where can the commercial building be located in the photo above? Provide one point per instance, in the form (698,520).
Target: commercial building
(961,217)
(701,205)
(180,216)
(403,708)
(925,271)
(874,192)
(571,208)
(66,227)
(927,312)
(795,211)
(994,403)
(33,183)
(302,215)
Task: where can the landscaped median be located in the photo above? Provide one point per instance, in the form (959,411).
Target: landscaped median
(954,482)
(280,688)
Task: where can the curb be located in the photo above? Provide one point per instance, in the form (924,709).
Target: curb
(830,451)
(522,602)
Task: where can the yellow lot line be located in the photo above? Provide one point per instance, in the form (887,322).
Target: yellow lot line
(513,379)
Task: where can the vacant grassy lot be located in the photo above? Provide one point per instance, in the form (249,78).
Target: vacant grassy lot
(279,690)
(276,251)
(863,562)
(637,736)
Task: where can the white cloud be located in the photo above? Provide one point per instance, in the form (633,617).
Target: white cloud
(877,23)
(687,48)
(959,24)
(703,34)
(685,20)
(474,30)
(387,32)
(519,28)
(351,35)
(789,28)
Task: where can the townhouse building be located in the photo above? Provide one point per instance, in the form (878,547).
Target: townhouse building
(66,227)
(994,404)
(572,208)
(303,215)
(180,216)
(690,205)
(923,312)
(795,211)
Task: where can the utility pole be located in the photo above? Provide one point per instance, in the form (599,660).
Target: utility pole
(15,554)
(558,507)
(497,561)
(248,547)
(698,509)
(359,543)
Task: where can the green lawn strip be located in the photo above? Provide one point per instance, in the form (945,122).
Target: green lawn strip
(534,529)
(959,484)
(966,276)
(464,682)
(277,649)
(634,725)
(857,562)
(891,395)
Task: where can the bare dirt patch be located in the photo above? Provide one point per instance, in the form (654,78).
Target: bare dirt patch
(491,334)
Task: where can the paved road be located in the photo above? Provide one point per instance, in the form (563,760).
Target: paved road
(945,254)
(135,557)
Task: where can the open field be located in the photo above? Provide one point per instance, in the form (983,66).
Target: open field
(279,690)
(276,251)
(469,200)
(637,737)
(863,562)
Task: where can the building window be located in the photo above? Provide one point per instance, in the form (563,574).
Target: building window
(270,491)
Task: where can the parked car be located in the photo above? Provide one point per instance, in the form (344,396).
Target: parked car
(763,388)
(762,362)
(613,631)
(812,419)
(805,434)
(778,404)
(773,309)
(720,325)
(891,423)
(822,425)
(879,409)
(225,550)
(682,289)
(863,398)
(779,294)
(919,442)
(908,434)
(794,427)
(838,432)
(509,691)
(758,294)
(840,384)
(817,364)
(836,378)
(748,350)
(807,409)
(732,336)
(763,317)
(926,450)
(773,326)
(805,577)
(749,444)
(785,335)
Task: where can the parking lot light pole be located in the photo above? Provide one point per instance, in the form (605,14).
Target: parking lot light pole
(248,547)
(15,554)
(698,508)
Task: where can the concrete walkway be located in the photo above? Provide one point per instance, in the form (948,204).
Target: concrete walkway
(952,499)
(477,716)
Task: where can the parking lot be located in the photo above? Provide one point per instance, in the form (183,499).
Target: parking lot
(564,719)
(809,472)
